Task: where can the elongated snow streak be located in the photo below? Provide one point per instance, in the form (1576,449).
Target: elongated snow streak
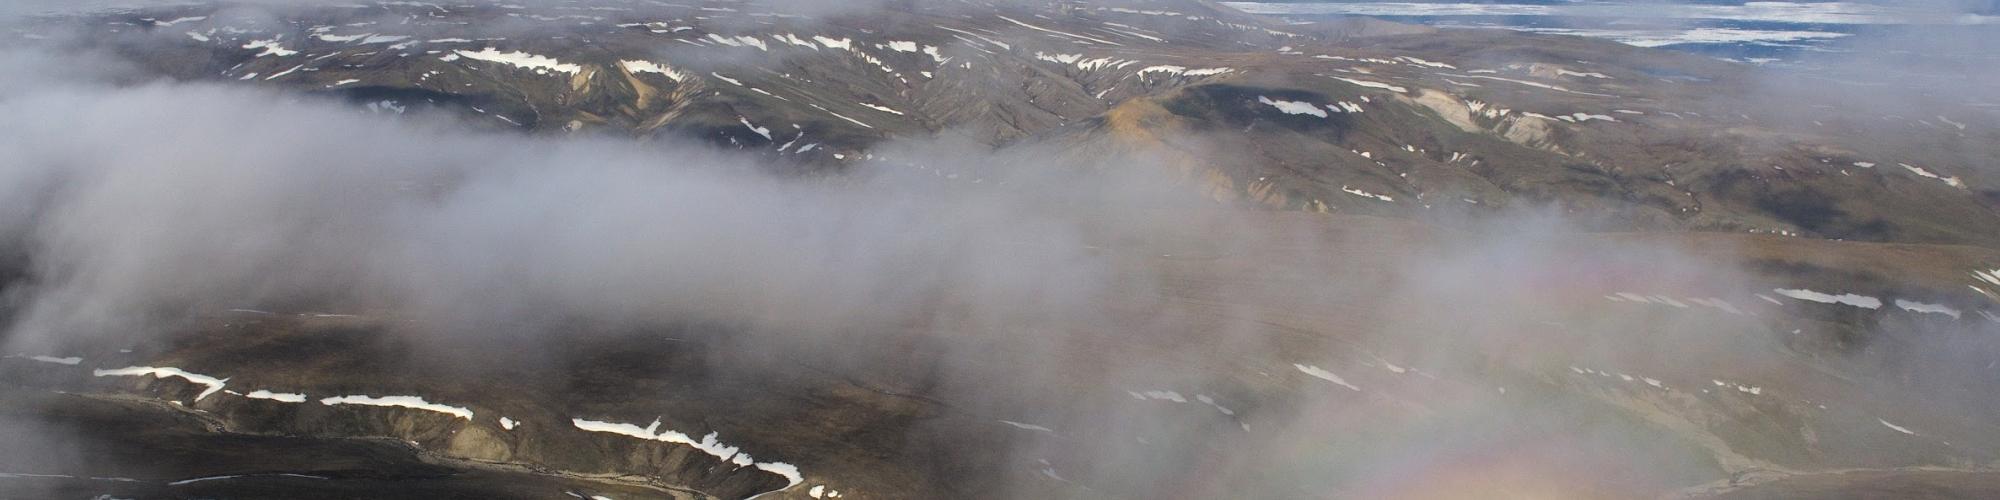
(1920,307)
(1365,194)
(1183,71)
(1322,374)
(1861,301)
(411,402)
(214,384)
(1717,303)
(275,76)
(1028,427)
(1421,62)
(178,21)
(1988,276)
(22,475)
(1002,45)
(1373,85)
(213,478)
(1952,181)
(72,360)
(1071,35)
(884,109)
(841,116)
(282,397)
(1532,84)
(708,444)
(1895,427)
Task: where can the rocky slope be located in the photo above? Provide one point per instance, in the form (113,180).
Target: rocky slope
(1358,117)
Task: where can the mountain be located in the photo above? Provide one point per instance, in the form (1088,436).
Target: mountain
(1780,288)
(1452,120)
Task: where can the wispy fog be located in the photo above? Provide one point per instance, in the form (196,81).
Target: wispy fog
(1146,342)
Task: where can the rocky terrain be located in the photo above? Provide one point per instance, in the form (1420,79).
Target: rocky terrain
(1757,294)
(1295,116)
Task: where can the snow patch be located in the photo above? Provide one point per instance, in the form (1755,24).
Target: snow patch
(1861,301)
(1028,427)
(1564,72)
(541,65)
(275,76)
(411,402)
(1372,85)
(1897,428)
(1920,307)
(163,24)
(1183,71)
(1746,389)
(835,43)
(72,360)
(789,471)
(635,67)
(270,48)
(1920,171)
(708,444)
(1365,194)
(884,109)
(740,41)
(282,397)
(763,131)
(1421,62)
(1322,374)
(1293,107)
(214,384)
